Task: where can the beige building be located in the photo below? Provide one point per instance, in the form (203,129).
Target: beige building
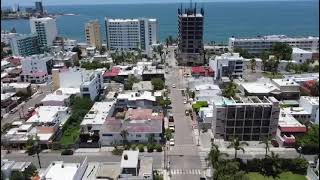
(93,34)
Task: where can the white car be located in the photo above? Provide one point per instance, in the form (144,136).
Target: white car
(185,102)
(173,85)
(171,128)
(171,142)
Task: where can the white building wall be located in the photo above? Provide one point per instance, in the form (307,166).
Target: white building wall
(35,63)
(313,109)
(300,56)
(132,137)
(47,25)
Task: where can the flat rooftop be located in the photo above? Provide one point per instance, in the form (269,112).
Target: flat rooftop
(295,110)
(47,114)
(285,82)
(146,166)
(133,96)
(298,50)
(98,113)
(102,171)
(55,97)
(132,161)
(312,100)
(287,123)
(259,87)
(60,170)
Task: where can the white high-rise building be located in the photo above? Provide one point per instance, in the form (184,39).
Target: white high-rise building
(264,43)
(132,34)
(45,28)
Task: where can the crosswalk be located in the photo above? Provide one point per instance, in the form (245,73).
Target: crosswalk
(186,171)
(203,155)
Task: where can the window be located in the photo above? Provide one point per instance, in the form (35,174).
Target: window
(138,135)
(108,135)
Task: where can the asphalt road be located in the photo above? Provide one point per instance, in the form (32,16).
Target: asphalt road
(47,158)
(184,158)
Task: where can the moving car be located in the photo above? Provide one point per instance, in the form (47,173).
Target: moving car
(173,85)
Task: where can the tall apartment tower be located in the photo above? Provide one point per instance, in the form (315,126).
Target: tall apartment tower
(93,34)
(25,45)
(132,34)
(39,7)
(45,28)
(190,36)
(246,118)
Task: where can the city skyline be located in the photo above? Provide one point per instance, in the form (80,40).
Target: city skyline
(96,2)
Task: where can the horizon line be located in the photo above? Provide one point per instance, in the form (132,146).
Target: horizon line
(175,2)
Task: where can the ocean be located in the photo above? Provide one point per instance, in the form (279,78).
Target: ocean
(222,19)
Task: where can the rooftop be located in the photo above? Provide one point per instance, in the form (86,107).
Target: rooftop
(134,96)
(275,37)
(49,114)
(285,82)
(58,170)
(298,50)
(142,85)
(132,160)
(143,114)
(314,100)
(262,86)
(55,97)
(295,110)
(287,123)
(98,113)
(146,166)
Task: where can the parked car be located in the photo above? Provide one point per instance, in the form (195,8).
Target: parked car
(274,143)
(171,142)
(187,112)
(173,85)
(14,110)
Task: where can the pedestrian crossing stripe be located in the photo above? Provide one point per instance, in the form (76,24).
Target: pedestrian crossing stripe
(186,171)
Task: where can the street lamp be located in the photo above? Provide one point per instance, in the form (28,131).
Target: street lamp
(299,149)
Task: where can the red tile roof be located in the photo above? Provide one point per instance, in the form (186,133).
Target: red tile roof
(143,114)
(37,74)
(114,72)
(293,129)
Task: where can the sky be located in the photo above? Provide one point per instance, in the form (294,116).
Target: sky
(82,2)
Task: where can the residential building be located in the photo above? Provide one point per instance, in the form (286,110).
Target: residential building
(102,170)
(89,83)
(215,49)
(20,88)
(25,44)
(94,120)
(64,59)
(139,123)
(134,167)
(8,167)
(190,36)
(132,34)
(311,105)
(6,36)
(247,118)
(142,86)
(4,65)
(17,137)
(36,68)
(300,56)
(46,29)
(133,99)
(281,89)
(288,129)
(200,83)
(264,43)
(93,34)
(289,89)
(227,65)
(49,115)
(56,99)
(8,102)
(302,78)
(69,44)
(58,170)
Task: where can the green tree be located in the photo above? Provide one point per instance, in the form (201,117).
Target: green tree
(289,66)
(215,156)
(17,175)
(32,144)
(274,64)
(243,52)
(129,83)
(266,142)
(230,90)
(237,145)
(271,166)
(309,141)
(157,83)
(30,171)
(78,51)
(315,68)
(124,134)
(282,51)
(229,170)
(159,50)
(164,102)
(253,64)
(168,134)
(151,139)
(264,57)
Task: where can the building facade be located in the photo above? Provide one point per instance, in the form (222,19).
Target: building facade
(132,34)
(227,65)
(36,68)
(45,28)
(300,56)
(25,45)
(247,118)
(190,36)
(259,44)
(93,34)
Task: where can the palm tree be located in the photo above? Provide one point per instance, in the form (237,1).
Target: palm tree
(253,64)
(124,134)
(266,141)
(271,166)
(237,145)
(215,156)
